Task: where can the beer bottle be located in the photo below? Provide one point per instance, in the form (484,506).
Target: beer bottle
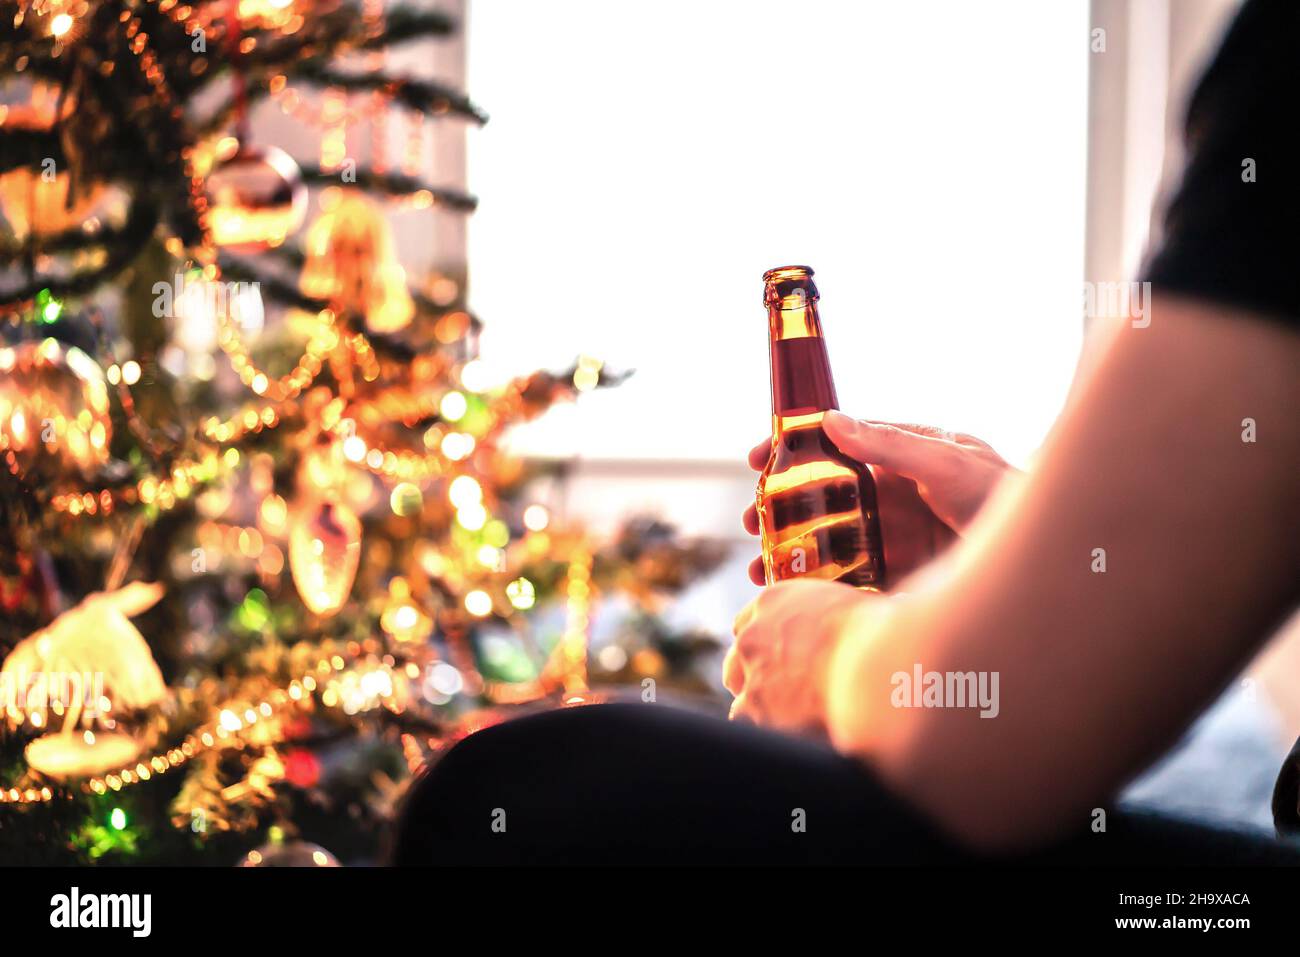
(816,506)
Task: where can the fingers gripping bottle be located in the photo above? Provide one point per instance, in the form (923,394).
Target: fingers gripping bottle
(816,506)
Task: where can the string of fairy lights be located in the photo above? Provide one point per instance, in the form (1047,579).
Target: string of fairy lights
(564,671)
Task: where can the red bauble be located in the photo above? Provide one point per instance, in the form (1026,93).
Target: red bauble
(301,768)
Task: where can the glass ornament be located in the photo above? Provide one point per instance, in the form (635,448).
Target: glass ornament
(324,552)
(256,198)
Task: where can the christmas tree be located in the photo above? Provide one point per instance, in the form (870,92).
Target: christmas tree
(262,550)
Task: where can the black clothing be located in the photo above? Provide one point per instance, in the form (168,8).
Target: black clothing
(652,784)
(1230,228)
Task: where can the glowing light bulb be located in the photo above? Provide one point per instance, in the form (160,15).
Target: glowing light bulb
(478,603)
(536,517)
(587,376)
(405,499)
(18,426)
(354,448)
(273,513)
(472,517)
(453,406)
(457,445)
(475,376)
(464,491)
(521,593)
(406,617)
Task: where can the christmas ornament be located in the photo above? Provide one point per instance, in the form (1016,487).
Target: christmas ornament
(256,197)
(43,202)
(324,551)
(61,756)
(50,199)
(290,854)
(352,263)
(95,639)
(406,499)
(301,768)
(53,407)
(96,636)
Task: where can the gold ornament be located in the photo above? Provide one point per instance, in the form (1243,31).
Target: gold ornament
(324,551)
(53,402)
(105,661)
(352,263)
(256,197)
(96,637)
(61,756)
(48,200)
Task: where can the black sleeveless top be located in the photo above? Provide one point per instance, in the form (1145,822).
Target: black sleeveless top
(1232,227)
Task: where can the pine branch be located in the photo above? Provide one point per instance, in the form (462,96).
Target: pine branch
(393,184)
(277,290)
(25,147)
(423,95)
(404,23)
(75,240)
(329,34)
(141,221)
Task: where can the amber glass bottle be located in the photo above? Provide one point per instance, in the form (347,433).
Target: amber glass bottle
(817,506)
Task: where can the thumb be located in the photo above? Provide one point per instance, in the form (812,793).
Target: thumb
(910,454)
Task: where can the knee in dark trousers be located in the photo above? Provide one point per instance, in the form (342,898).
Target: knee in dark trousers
(651,784)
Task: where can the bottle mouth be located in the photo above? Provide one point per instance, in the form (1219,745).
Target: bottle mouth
(789,286)
(787,272)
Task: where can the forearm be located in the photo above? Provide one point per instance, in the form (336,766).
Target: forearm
(1096,671)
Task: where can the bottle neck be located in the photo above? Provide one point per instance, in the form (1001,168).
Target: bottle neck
(802,385)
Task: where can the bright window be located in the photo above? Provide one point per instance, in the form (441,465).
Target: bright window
(645,163)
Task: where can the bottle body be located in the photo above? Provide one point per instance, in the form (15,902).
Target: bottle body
(816,506)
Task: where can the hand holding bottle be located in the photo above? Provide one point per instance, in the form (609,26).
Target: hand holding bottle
(930,484)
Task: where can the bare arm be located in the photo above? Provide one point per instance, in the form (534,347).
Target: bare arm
(1201,533)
